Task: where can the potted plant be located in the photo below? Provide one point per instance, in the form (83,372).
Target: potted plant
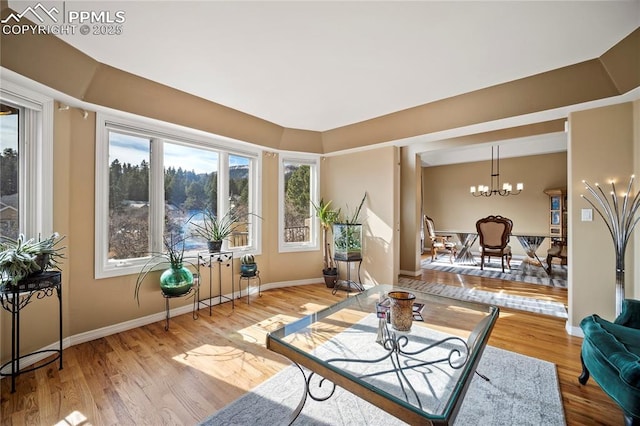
(22,257)
(214,229)
(327,217)
(248,266)
(347,236)
(177,279)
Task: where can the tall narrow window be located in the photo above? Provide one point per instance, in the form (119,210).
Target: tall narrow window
(190,188)
(239,200)
(128,196)
(298,191)
(9,170)
(26,162)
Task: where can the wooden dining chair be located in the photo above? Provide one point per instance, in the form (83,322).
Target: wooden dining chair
(494,234)
(439,242)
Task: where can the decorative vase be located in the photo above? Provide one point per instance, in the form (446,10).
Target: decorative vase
(176,281)
(401,310)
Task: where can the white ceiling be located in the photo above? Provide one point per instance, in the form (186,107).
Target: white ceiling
(322,65)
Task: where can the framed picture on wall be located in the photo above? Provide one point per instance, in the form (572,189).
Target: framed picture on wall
(555,203)
(555,218)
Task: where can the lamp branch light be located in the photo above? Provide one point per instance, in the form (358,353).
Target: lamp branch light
(620,218)
(507,188)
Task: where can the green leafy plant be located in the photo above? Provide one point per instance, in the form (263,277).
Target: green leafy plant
(328,217)
(172,257)
(217,228)
(22,257)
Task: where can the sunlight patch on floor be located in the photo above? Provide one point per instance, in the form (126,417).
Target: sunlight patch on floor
(76,418)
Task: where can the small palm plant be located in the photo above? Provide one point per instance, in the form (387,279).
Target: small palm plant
(327,217)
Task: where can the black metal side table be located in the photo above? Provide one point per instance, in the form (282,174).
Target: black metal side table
(195,290)
(209,260)
(348,284)
(255,276)
(13,299)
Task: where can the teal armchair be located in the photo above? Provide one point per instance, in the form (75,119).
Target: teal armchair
(611,355)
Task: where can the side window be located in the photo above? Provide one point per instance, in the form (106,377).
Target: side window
(26,162)
(10,119)
(298,190)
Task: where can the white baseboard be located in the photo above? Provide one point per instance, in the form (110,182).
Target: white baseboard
(139,322)
(416,273)
(573,331)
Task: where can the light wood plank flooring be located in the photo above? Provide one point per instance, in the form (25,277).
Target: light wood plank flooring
(149,376)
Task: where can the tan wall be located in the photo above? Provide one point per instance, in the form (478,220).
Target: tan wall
(410,211)
(601,148)
(448,202)
(345,179)
(90,304)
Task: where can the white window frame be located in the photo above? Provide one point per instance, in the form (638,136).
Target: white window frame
(314,242)
(159,133)
(35,150)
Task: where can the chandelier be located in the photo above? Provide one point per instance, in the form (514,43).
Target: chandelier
(507,189)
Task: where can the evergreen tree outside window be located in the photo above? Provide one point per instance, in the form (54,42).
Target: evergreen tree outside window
(151,181)
(298,188)
(10,116)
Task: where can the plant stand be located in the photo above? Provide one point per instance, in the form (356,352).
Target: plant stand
(348,284)
(256,276)
(13,299)
(208,260)
(194,289)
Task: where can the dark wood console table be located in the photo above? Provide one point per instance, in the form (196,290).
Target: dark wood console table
(13,299)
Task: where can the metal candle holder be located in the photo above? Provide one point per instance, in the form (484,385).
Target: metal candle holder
(619,218)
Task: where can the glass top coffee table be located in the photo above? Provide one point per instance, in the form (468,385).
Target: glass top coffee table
(419,376)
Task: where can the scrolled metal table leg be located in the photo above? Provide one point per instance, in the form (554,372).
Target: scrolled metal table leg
(300,406)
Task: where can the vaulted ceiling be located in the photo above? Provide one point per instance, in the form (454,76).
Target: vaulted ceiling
(322,65)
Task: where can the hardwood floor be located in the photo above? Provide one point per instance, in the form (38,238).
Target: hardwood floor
(150,376)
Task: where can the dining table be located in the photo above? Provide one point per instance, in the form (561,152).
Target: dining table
(530,242)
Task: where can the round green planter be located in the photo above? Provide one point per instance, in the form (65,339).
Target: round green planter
(176,281)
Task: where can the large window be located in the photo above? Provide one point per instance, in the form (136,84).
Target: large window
(26,162)
(298,192)
(152,184)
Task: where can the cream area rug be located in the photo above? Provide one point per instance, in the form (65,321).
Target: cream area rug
(521,391)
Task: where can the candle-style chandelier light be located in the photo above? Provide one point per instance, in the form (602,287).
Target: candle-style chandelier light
(507,189)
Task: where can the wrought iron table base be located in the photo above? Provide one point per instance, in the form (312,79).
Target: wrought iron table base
(394,344)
